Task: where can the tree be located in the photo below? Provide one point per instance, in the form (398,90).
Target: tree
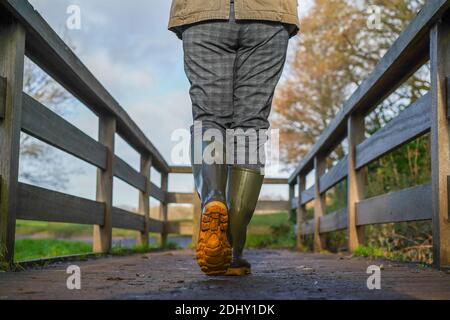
(39,164)
(337,49)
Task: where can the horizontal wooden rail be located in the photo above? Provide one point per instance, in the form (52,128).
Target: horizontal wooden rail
(123,219)
(335,175)
(408,125)
(157,193)
(128,174)
(39,204)
(413,204)
(406,56)
(308,228)
(334,221)
(273,205)
(43,124)
(44,205)
(156,226)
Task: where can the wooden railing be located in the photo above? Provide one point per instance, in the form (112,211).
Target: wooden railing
(427,38)
(23,32)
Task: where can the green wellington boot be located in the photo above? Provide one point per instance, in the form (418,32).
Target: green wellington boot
(213,248)
(243,189)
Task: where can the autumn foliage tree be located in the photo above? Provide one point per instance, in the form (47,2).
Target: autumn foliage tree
(337,49)
(339,45)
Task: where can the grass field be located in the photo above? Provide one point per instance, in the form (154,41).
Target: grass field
(30,249)
(45,239)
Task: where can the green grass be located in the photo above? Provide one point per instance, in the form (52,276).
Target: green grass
(273,231)
(369,252)
(62,230)
(30,249)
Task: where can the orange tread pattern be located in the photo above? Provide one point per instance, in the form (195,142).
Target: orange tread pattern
(238,272)
(213,248)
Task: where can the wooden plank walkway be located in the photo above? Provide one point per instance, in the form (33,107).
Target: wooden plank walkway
(277,275)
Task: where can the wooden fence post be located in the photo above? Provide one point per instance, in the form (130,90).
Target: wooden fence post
(440,142)
(319,202)
(144,200)
(12,52)
(103,234)
(356,135)
(301,209)
(197,208)
(291,201)
(164,208)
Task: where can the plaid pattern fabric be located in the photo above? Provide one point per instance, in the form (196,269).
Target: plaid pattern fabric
(233,68)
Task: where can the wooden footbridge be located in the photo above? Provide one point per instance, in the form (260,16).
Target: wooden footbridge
(23,32)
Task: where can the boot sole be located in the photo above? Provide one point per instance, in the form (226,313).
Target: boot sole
(213,248)
(238,272)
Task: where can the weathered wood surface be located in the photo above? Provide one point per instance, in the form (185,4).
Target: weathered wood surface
(123,219)
(440,142)
(307,195)
(157,193)
(12,49)
(180,228)
(334,221)
(412,204)
(295,203)
(355,181)
(144,200)
(334,175)
(42,123)
(44,205)
(301,210)
(319,202)
(273,205)
(180,198)
(156,226)
(128,174)
(197,214)
(50,52)
(102,241)
(164,210)
(181,169)
(277,275)
(408,125)
(409,52)
(308,228)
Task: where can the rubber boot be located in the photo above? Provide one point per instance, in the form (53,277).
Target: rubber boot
(213,249)
(243,189)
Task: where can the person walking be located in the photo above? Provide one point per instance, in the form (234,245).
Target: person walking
(234,55)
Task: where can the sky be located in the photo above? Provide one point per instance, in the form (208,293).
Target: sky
(128,48)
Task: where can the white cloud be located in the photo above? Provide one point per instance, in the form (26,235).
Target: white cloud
(118,78)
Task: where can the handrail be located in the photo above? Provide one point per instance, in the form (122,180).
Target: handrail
(25,32)
(405,56)
(426,38)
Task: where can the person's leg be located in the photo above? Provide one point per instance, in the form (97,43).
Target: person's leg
(260,60)
(209,61)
